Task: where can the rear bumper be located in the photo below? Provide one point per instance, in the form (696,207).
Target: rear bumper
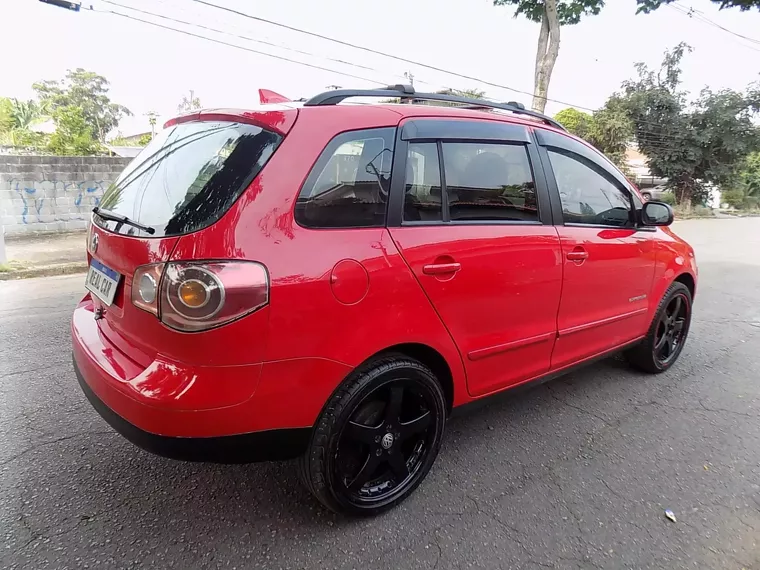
(270,445)
(187,412)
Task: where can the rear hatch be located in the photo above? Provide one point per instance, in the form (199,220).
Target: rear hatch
(185,180)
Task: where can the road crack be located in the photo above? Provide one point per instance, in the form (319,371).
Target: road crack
(50,442)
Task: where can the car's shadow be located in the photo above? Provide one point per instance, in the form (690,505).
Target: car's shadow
(132,497)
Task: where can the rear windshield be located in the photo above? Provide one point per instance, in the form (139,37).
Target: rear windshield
(188,177)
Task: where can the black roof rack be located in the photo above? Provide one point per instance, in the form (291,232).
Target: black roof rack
(407,92)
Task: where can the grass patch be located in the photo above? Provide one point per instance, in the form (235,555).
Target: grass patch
(687,212)
(12,265)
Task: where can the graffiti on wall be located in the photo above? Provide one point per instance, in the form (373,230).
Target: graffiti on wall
(57,200)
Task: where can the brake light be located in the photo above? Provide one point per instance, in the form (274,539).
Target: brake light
(195,296)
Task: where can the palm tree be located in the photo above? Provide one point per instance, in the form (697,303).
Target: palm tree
(20,117)
(26,113)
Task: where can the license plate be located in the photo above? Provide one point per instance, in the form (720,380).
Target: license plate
(102,281)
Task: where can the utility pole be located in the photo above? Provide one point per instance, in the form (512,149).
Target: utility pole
(410,76)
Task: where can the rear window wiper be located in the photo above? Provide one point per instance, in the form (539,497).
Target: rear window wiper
(114,217)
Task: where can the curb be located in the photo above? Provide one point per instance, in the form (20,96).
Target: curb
(45,271)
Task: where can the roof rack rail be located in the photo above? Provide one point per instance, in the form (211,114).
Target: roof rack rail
(407,92)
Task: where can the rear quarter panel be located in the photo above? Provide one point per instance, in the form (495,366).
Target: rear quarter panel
(314,340)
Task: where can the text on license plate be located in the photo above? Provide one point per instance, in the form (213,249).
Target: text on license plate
(102,281)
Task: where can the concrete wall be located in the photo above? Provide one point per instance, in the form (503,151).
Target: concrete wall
(53,193)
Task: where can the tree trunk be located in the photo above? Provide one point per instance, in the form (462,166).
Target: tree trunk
(543,44)
(546,55)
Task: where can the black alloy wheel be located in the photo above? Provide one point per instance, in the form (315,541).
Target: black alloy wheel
(671,329)
(381,448)
(667,334)
(378,441)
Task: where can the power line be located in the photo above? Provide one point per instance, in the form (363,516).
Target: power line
(376,52)
(277,56)
(264,20)
(693,14)
(701,15)
(663,136)
(248,38)
(388,55)
(319,67)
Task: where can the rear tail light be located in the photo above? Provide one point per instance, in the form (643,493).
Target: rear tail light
(145,287)
(90,233)
(192,296)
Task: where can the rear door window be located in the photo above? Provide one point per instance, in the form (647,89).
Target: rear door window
(489,182)
(348,186)
(422,196)
(483,182)
(188,176)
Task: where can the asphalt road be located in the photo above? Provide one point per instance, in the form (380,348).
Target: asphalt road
(572,474)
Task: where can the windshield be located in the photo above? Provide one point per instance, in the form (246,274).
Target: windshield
(188,177)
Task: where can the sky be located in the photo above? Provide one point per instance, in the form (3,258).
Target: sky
(150,69)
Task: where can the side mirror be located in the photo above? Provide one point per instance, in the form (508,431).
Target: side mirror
(656,214)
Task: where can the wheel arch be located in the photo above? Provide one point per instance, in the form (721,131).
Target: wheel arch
(434,360)
(663,283)
(425,354)
(688,280)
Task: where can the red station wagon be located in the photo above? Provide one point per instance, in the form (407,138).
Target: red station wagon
(329,281)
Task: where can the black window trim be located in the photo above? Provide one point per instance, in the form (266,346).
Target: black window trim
(463,130)
(595,167)
(550,140)
(445,213)
(398,177)
(387,133)
(598,163)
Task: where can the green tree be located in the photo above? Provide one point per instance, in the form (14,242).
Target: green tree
(691,144)
(612,131)
(647,6)
(73,135)
(189,103)
(551,14)
(750,174)
(16,119)
(470,93)
(87,91)
(6,115)
(744,192)
(26,113)
(144,140)
(575,121)
(609,129)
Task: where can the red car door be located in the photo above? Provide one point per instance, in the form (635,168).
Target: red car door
(472,222)
(608,260)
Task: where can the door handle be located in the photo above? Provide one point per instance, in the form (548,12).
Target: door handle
(577,255)
(441,268)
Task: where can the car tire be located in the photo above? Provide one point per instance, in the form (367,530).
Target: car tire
(372,416)
(667,334)
(646,196)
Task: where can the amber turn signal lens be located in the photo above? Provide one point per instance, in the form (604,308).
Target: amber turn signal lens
(193,294)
